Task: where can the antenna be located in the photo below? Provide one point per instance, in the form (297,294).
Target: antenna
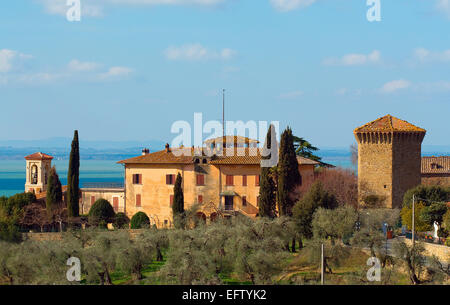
(223,117)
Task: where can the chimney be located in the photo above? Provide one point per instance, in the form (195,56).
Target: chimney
(145,151)
(167,147)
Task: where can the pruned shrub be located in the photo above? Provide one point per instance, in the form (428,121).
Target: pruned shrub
(140,220)
(101,213)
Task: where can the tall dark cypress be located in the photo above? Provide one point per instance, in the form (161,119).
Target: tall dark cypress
(73,179)
(54,191)
(267,189)
(288,174)
(178,202)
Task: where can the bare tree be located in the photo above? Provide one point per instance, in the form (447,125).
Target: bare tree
(354,154)
(343,183)
(35,214)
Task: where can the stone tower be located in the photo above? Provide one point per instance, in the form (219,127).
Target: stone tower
(389,159)
(38,167)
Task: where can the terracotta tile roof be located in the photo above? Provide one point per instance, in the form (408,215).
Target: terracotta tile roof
(43,195)
(38,156)
(250,156)
(159,157)
(436,165)
(231,140)
(389,123)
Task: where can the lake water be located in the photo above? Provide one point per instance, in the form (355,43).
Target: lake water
(12,173)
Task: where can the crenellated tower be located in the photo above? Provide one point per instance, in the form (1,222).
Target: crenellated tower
(389,159)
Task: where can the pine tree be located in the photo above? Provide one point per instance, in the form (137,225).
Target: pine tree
(73,179)
(178,203)
(54,191)
(288,174)
(267,189)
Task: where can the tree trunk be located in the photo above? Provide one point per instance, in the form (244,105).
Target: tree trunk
(300,244)
(159,256)
(293,245)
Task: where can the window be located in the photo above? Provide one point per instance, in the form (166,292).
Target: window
(116,204)
(200,199)
(257,200)
(170,179)
(244,180)
(197,161)
(229,180)
(244,201)
(200,179)
(205,161)
(171,200)
(257,180)
(138,200)
(137,178)
(92,200)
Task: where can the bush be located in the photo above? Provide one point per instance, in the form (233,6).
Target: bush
(140,220)
(121,220)
(9,232)
(430,193)
(101,213)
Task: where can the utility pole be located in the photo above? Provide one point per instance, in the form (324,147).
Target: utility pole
(413,221)
(322,267)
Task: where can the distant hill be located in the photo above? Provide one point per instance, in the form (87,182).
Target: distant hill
(89,150)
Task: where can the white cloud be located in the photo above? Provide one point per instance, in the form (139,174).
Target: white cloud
(195,52)
(443,6)
(348,92)
(95,8)
(354,59)
(115,72)
(395,85)
(79,66)
(289,5)
(425,55)
(92,8)
(291,95)
(8,58)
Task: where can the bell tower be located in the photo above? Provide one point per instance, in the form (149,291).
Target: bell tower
(37,168)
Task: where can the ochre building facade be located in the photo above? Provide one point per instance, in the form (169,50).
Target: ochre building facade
(219,185)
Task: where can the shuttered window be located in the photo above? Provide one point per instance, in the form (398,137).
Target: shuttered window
(137,178)
(230,180)
(244,201)
(200,179)
(92,200)
(170,179)
(138,200)
(200,199)
(257,180)
(171,200)
(116,204)
(244,180)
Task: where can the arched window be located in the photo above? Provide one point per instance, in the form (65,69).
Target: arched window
(34,174)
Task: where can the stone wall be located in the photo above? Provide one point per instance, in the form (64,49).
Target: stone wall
(440,251)
(436,179)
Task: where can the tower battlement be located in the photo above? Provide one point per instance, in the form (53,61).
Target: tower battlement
(389,159)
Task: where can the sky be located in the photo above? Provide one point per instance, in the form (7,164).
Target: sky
(129,69)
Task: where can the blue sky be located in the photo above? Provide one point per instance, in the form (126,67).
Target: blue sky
(130,68)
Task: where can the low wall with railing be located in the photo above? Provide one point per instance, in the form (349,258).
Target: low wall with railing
(53,236)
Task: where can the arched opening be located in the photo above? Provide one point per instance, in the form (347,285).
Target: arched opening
(201,216)
(213,216)
(34,174)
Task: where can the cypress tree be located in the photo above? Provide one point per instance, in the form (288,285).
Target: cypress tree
(178,203)
(54,191)
(267,189)
(73,179)
(288,174)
